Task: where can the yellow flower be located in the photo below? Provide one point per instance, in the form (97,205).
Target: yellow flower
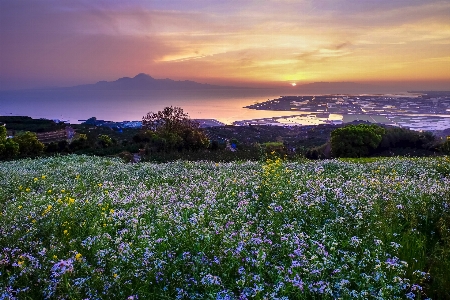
(63,191)
(20,263)
(28,189)
(78,256)
(49,191)
(43,176)
(66,232)
(20,206)
(34,221)
(115,275)
(111,211)
(35,179)
(49,207)
(99,184)
(55,257)
(71,200)
(20,187)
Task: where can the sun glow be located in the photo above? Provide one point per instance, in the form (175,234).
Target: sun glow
(293,84)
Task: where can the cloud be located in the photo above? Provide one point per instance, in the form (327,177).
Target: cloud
(46,40)
(271,39)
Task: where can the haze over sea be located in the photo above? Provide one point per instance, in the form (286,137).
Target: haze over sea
(223,105)
(226,106)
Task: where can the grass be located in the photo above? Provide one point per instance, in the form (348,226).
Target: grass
(78,227)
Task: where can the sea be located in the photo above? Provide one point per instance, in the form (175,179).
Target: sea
(73,106)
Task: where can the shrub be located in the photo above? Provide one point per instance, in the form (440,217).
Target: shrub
(355,140)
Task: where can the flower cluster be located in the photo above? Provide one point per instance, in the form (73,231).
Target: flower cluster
(87,227)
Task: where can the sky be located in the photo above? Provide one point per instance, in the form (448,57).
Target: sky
(258,43)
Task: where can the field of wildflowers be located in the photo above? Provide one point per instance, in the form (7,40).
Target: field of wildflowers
(78,227)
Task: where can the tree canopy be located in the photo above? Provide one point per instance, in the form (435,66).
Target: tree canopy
(356,140)
(8,148)
(28,143)
(172,129)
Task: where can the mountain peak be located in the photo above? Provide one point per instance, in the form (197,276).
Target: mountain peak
(143,76)
(144,81)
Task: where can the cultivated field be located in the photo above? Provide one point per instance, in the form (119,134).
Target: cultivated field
(79,227)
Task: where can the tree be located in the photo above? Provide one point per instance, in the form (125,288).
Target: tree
(105,141)
(401,138)
(2,133)
(81,142)
(356,140)
(29,145)
(173,129)
(8,148)
(445,147)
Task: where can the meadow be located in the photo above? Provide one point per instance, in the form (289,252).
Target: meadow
(78,227)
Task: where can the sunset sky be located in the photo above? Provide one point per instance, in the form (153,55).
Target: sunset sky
(231,42)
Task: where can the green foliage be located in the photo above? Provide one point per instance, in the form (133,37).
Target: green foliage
(126,156)
(22,123)
(214,145)
(172,130)
(356,140)
(2,133)
(317,152)
(445,147)
(105,141)
(101,229)
(276,147)
(29,145)
(81,142)
(51,147)
(8,148)
(396,137)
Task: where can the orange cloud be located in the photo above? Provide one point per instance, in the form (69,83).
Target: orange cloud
(270,41)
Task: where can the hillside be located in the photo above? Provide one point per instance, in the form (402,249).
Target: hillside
(101,229)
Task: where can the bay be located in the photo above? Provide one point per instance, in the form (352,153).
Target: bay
(225,105)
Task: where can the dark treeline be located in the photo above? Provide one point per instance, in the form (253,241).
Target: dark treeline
(365,140)
(171,135)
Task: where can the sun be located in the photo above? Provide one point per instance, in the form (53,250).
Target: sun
(293,84)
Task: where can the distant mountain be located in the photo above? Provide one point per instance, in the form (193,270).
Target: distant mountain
(146,82)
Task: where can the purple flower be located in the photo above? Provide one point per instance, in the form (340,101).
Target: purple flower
(297,282)
(62,267)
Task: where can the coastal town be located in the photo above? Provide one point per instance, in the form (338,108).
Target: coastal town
(427,111)
(420,111)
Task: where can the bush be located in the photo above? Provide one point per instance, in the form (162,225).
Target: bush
(8,148)
(105,141)
(356,140)
(29,145)
(277,147)
(445,147)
